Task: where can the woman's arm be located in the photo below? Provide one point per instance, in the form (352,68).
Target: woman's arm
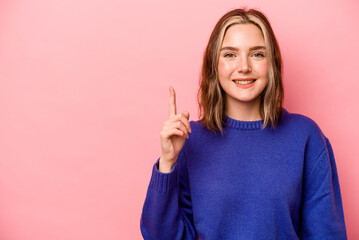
(167,211)
(322,210)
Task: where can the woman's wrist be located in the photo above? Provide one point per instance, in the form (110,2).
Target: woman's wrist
(164,166)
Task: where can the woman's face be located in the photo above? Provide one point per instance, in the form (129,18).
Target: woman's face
(242,65)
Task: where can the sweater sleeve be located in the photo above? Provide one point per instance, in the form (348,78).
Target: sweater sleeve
(322,210)
(167,210)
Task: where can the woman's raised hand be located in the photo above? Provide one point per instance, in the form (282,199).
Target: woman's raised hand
(173,135)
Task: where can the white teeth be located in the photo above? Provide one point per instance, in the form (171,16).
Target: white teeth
(244,82)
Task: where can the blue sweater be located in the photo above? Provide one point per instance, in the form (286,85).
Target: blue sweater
(250,183)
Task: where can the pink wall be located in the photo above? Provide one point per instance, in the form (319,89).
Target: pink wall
(84,93)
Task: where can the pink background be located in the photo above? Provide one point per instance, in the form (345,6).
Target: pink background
(84,94)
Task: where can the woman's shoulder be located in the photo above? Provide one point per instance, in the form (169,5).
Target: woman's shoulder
(197,128)
(196,125)
(201,134)
(299,121)
(303,126)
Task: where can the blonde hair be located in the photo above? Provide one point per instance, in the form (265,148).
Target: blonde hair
(211,96)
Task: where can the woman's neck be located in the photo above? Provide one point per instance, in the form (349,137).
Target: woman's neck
(248,111)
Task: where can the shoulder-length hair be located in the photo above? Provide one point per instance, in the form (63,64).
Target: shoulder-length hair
(211,96)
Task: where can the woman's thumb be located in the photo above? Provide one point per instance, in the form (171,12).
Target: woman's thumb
(186,114)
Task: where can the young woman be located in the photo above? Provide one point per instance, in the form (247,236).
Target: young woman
(248,169)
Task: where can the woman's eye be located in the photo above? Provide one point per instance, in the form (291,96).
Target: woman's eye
(258,55)
(229,55)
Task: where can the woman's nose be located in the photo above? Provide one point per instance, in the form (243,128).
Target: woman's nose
(244,65)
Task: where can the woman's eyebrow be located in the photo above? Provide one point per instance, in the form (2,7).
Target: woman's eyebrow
(257,48)
(236,49)
(229,48)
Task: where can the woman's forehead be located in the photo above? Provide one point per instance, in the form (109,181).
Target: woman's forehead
(243,36)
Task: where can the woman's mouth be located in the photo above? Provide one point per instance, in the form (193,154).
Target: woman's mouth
(244,83)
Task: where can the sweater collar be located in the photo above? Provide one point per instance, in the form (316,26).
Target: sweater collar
(247,125)
(244,125)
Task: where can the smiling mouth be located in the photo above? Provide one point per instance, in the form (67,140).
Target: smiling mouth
(244,82)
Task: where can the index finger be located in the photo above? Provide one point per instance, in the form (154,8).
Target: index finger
(172,104)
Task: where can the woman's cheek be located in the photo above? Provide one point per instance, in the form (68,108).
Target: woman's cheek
(224,67)
(260,68)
